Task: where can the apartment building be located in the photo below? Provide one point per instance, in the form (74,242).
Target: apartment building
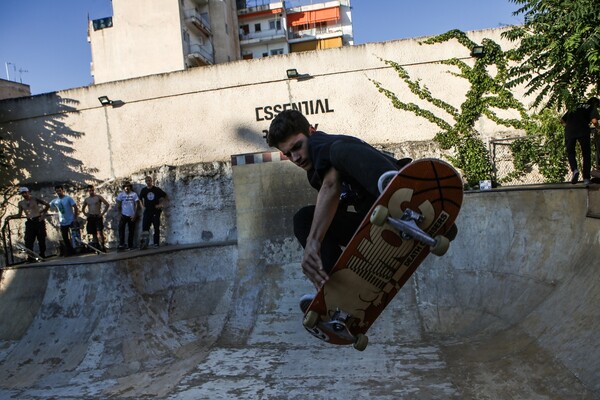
(147,37)
(283,27)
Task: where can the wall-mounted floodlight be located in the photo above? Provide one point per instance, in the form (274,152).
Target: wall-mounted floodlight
(477,51)
(105,101)
(292,73)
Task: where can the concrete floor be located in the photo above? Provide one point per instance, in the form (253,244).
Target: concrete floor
(511,312)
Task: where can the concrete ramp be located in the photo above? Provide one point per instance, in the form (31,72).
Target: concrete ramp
(510,312)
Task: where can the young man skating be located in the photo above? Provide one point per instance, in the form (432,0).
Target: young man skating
(345,171)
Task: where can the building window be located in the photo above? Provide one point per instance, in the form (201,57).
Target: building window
(265,55)
(275,52)
(275,25)
(257,28)
(245,29)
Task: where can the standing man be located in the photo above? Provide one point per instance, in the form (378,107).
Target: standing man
(577,129)
(127,204)
(95,216)
(67,216)
(153,200)
(35,226)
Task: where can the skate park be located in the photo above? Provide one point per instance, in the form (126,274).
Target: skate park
(508,312)
(515,319)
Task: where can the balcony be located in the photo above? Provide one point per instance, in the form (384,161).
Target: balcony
(315,33)
(200,55)
(198,21)
(268,36)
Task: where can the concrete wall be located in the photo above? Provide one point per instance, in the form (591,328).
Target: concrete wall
(207,114)
(10,89)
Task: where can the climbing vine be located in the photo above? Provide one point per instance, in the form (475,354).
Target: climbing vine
(487,94)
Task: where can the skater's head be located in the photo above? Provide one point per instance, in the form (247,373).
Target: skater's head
(127,187)
(91,190)
(286,124)
(289,132)
(149,181)
(59,190)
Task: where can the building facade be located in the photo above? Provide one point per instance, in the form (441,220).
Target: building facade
(148,37)
(274,28)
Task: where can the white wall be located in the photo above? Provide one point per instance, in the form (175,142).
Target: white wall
(207,114)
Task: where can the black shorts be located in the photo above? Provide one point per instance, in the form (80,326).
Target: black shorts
(95,223)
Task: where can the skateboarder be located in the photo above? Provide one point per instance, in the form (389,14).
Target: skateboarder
(35,226)
(95,216)
(153,200)
(345,171)
(67,215)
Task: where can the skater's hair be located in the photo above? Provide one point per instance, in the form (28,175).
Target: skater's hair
(59,187)
(90,187)
(286,124)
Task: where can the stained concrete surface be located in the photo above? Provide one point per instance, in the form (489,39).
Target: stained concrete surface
(509,313)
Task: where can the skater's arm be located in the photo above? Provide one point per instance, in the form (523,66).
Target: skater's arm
(326,207)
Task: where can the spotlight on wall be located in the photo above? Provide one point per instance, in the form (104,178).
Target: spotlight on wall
(292,73)
(477,51)
(105,101)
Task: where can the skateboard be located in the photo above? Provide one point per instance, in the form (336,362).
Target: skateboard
(413,216)
(32,254)
(76,237)
(144,239)
(95,247)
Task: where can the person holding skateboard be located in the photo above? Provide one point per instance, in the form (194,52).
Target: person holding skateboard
(345,171)
(35,227)
(153,201)
(95,216)
(68,213)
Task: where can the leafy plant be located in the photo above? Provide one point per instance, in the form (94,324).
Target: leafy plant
(486,94)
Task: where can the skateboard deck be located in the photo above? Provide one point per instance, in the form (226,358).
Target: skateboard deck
(32,254)
(408,221)
(95,247)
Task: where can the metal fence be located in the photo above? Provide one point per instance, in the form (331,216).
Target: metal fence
(502,160)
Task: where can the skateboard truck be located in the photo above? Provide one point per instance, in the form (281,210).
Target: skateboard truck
(408,228)
(337,324)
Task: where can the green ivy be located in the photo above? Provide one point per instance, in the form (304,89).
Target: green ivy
(543,145)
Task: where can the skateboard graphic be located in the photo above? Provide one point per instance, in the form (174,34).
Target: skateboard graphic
(32,254)
(413,216)
(144,239)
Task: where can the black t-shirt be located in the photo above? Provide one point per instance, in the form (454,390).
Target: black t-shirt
(353,192)
(151,196)
(578,121)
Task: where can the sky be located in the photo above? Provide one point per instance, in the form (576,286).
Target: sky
(43,43)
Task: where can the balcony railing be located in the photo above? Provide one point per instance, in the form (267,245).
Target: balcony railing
(195,19)
(205,53)
(315,32)
(271,34)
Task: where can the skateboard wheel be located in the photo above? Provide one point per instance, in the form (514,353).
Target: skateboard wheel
(379,215)
(311,319)
(441,246)
(361,342)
